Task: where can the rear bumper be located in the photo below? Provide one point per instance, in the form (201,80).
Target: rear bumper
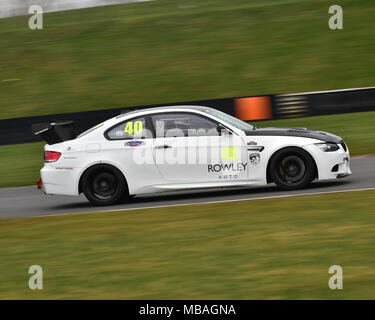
(59,180)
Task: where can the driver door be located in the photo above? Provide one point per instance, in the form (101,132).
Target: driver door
(189,149)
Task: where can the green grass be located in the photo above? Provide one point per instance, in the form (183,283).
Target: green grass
(20,164)
(157,52)
(244,250)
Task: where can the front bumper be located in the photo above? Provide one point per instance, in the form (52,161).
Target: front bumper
(331,165)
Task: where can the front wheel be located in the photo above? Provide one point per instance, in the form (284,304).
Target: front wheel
(292,168)
(104,185)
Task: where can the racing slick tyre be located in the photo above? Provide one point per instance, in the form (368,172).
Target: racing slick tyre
(292,168)
(104,185)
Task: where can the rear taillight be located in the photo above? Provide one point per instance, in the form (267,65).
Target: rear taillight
(51,156)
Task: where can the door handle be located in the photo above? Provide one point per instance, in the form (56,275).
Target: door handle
(163,146)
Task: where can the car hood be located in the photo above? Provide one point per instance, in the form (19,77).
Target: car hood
(295,132)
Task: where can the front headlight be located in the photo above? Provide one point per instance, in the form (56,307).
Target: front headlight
(328,147)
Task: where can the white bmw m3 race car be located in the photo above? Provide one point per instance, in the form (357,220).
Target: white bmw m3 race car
(183,147)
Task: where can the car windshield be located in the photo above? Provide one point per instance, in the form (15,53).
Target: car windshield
(239,124)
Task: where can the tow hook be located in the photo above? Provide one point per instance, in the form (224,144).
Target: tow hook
(39,183)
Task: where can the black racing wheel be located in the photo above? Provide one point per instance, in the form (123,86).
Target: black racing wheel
(292,168)
(104,185)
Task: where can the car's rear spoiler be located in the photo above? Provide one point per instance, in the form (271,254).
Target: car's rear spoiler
(54,132)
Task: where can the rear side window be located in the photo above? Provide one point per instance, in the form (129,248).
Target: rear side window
(130,129)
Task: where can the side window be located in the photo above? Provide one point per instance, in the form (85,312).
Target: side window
(131,129)
(186,123)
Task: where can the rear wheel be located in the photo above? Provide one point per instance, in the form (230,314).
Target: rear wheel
(292,168)
(104,185)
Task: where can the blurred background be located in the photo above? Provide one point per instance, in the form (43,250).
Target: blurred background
(167,51)
(107,57)
(21,7)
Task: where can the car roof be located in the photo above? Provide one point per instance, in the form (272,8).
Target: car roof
(164,108)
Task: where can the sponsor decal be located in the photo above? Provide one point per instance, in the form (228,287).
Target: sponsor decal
(68,148)
(229,153)
(228,176)
(254,158)
(135,143)
(227,171)
(227,167)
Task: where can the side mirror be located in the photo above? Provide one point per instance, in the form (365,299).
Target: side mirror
(222,130)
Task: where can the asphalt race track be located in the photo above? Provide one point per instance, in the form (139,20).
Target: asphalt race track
(29,201)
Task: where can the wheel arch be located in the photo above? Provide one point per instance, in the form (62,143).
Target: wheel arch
(99,165)
(299,148)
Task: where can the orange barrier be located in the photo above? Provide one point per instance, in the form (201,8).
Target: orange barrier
(255,108)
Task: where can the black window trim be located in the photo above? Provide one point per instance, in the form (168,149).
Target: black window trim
(150,124)
(184,112)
